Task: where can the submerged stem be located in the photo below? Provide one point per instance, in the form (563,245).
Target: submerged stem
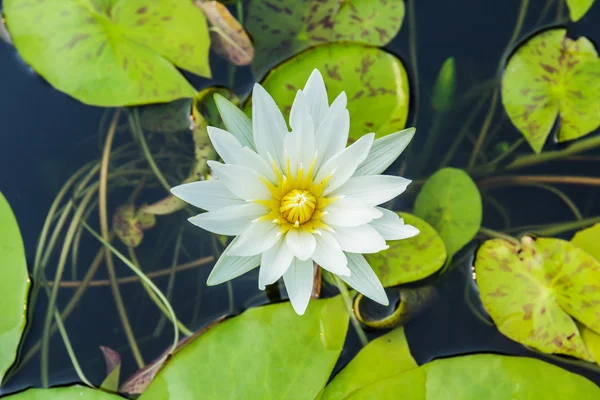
(412,33)
(348,303)
(498,235)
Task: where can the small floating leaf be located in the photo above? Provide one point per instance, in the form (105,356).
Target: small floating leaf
(445,86)
(284,28)
(588,240)
(549,76)
(110,53)
(451,203)
(266,352)
(386,356)
(130,224)
(578,8)
(482,377)
(229,39)
(531,292)
(375,83)
(166,117)
(14,286)
(76,392)
(412,259)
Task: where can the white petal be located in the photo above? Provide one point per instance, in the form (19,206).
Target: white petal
(391,227)
(332,135)
(249,158)
(301,243)
(342,166)
(364,280)
(316,96)
(359,239)
(240,180)
(257,238)
(350,212)
(298,281)
(329,255)
(229,267)
(209,195)
(235,121)
(373,189)
(268,126)
(231,220)
(384,152)
(299,145)
(274,263)
(224,143)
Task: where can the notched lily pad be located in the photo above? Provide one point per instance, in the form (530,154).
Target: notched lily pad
(284,28)
(532,290)
(130,224)
(451,203)
(375,83)
(578,8)
(409,260)
(553,76)
(112,53)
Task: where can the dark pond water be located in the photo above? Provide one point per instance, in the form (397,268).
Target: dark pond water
(46,136)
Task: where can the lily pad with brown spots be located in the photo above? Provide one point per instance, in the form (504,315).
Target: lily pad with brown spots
(283,28)
(553,76)
(112,53)
(535,290)
(451,203)
(130,224)
(375,83)
(410,260)
(588,240)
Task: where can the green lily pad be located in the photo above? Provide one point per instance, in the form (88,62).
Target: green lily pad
(592,342)
(409,260)
(386,356)
(65,393)
(284,28)
(375,83)
(531,291)
(111,53)
(14,286)
(451,203)
(553,76)
(445,87)
(588,240)
(130,224)
(578,8)
(169,117)
(483,376)
(266,352)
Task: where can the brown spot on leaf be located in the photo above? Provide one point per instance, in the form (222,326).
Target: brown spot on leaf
(76,39)
(527,311)
(142,10)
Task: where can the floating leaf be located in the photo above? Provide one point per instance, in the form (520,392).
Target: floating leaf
(113,370)
(375,83)
(592,342)
(229,39)
(451,203)
(588,240)
(130,224)
(110,53)
(483,377)
(445,86)
(75,392)
(531,292)
(549,76)
(167,117)
(284,28)
(386,356)
(578,8)
(14,286)
(409,260)
(266,352)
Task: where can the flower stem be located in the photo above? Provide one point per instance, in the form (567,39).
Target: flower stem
(499,181)
(412,34)
(498,235)
(348,303)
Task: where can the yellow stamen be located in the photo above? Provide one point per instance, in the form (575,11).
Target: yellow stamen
(298,206)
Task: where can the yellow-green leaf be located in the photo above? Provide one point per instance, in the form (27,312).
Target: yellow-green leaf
(533,291)
(130,224)
(375,83)
(386,356)
(451,203)
(483,377)
(578,8)
(112,53)
(14,286)
(588,240)
(266,352)
(65,393)
(445,86)
(411,259)
(553,76)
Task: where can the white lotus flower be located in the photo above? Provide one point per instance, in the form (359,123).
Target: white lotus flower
(291,198)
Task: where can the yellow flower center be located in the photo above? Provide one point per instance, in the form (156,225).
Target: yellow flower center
(298,206)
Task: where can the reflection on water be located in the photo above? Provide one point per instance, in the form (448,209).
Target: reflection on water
(47,136)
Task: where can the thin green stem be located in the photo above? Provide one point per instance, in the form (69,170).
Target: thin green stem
(556,228)
(430,143)
(348,303)
(412,34)
(498,235)
(499,207)
(171,282)
(499,181)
